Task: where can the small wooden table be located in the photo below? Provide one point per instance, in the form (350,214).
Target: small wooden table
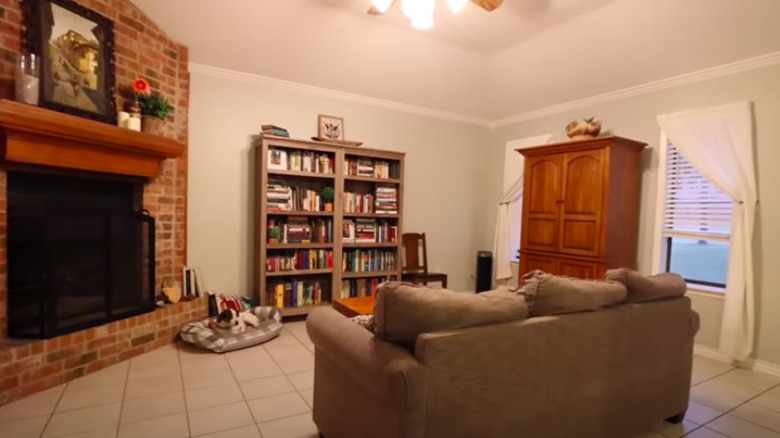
(355,306)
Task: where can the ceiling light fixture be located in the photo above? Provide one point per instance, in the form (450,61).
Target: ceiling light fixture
(420,12)
(382,5)
(456,5)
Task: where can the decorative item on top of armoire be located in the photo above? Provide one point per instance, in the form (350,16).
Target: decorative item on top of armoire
(584,129)
(331,129)
(580,207)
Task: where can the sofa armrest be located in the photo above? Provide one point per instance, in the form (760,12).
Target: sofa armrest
(379,367)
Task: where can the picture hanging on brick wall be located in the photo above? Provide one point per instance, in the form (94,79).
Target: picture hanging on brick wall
(76,46)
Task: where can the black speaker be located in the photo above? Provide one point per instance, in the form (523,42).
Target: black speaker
(484,271)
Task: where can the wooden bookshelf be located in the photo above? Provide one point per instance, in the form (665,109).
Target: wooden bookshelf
(388,168)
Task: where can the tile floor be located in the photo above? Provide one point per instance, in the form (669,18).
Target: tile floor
(266,392)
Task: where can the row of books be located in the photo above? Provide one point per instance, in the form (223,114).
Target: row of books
(371,167)
(368,260)
(304,259)
(361,287)
(369,231)
(386,200)
(358,202)
(302,161)
(282,197)
(296,293)
(275,130)
(300,230)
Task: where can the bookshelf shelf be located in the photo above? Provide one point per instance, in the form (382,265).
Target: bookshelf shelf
(298,272)
(318,166)
(282,172)
(368,274)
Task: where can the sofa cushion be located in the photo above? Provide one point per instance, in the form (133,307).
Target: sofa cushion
(643,288)
(552,295)
(403,311)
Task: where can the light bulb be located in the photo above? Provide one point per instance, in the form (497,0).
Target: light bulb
(420,12)
(382,5)
(457,5)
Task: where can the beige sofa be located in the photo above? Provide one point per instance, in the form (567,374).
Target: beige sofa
(614,372)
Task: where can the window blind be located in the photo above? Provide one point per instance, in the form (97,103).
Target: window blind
(693,206)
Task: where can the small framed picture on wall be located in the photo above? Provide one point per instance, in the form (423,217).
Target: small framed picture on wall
(330,127)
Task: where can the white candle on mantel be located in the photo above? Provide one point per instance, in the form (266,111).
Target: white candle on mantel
(134,123)
(122,118)
(27,88)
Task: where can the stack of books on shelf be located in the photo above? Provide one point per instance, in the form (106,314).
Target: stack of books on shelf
(300,230)
(301,161)
(275,130)
(278,196)
(386,200)
(358,202)
(305,259)
(296,293)
(369,231)
(386,232)
(361,287)
(370,260)
(371,168)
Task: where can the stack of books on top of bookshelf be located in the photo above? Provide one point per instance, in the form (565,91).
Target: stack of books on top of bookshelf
(369,167)
(301,161)
(297,292)
(300,230)
(275,130)
(386,200)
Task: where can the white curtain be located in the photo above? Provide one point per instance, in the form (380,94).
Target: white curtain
(513,193)
(718,143)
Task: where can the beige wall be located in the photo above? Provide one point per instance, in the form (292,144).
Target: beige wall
(636,118)
(444,174)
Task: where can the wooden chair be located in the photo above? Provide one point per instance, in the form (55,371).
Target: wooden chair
(413,270)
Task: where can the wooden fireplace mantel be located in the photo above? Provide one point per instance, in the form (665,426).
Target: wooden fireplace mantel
(34,135)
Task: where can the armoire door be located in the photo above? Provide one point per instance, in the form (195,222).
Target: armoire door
(583,192)
(579,269)
(532,262)
(541,198)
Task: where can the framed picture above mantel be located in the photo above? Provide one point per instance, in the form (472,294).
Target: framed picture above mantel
(76,46)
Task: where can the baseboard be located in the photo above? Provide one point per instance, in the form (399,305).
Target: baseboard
(752,364)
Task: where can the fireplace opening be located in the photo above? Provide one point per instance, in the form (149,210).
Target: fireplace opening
(80,253)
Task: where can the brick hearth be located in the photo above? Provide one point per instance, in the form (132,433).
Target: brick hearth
(142,50)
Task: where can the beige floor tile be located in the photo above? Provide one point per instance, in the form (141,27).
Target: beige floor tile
(153,387)
(303,380)
(42,403)
(704,369)
(704,432)
(769,399)
(152,407)
(299,426)
(24,428)
(758,415)
(277,406)
(219,418)
(82,420)
(109,432)
(171,426)
(163,366)
(251,371)
(670,430)
(714,398)
(265,387)
(738,428)
(213,396)
(308,396)
(216,375)
(297,362)
(80,397)
(252,355)
(111,376)
(700,414)
(241,432)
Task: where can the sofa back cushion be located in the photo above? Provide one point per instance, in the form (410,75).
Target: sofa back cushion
(549,294)
(403,311)
(642,288)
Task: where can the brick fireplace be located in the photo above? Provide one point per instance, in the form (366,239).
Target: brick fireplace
(142,50)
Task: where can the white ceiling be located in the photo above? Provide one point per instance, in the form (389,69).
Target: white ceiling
(528,54)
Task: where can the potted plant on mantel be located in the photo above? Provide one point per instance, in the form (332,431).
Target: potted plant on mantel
(154,108)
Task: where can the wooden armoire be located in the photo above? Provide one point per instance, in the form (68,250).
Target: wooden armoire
(580,207)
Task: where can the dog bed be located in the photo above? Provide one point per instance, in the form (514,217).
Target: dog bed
(198,332)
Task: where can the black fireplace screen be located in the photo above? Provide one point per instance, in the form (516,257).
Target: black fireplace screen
(79,253)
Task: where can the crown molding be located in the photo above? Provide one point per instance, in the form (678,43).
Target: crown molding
(281,84)
(650,87)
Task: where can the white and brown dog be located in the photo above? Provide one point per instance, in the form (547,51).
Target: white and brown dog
(236,322)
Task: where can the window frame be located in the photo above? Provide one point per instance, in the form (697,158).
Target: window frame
(662,240)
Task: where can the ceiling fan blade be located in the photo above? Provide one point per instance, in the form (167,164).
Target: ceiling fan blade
(488,5)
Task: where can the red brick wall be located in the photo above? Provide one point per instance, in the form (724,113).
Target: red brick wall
(28,367)
(142,50)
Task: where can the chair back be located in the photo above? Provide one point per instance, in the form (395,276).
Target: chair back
(412,260)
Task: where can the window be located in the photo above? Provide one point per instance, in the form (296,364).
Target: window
(696,224)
